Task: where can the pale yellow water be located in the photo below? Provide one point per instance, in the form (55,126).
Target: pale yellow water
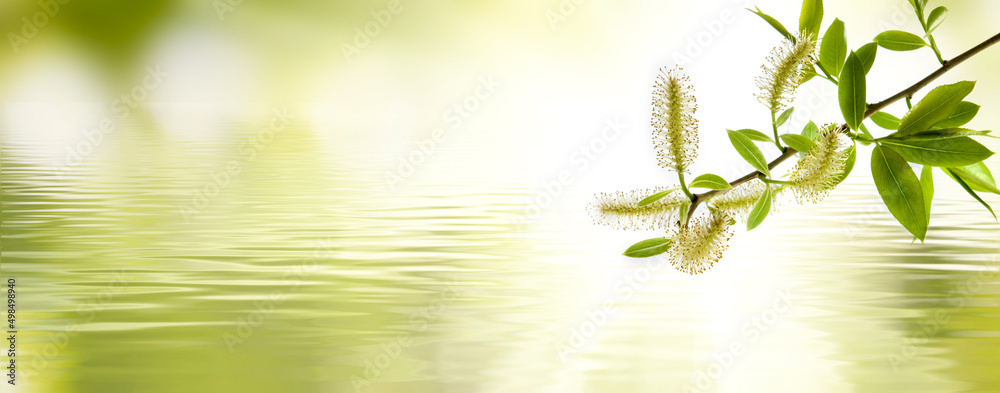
(305,274)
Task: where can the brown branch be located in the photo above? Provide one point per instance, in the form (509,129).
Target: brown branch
(947,66)
(698,199)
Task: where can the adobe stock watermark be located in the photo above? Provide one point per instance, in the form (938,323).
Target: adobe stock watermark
(454,117)
(263,308)
(47,9)
(220,179)
(562,11)
(122,108)
(392,349)
(365,34)
(223,7)
(87,310)
(578,162)
(912,344)
(751,331)
(597,317)
(712,30)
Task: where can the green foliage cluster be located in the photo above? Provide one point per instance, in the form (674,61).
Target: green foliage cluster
(930,134)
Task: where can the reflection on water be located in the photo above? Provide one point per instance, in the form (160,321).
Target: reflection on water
(153,266)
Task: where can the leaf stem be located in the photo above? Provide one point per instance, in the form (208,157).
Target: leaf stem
(680,176)
(789,152)
(774,125)
(827,74)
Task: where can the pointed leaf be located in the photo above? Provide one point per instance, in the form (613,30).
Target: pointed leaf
(978,177)
(900,190)
(950,152)
(811,17)
(968,188)
(852,91)
(649,248)
(867,54)
(709,180)
(657,196)
(937,106)
(774,23)
(927,186)
(934,135)
(783,118)
(760,209)
(885,120)
(755,135)
(899,40)
(833,50)
(749,151)
(936,18)
(811,131)
(798,142)
(964,114)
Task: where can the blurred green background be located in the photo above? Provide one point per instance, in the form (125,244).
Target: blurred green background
(278,204)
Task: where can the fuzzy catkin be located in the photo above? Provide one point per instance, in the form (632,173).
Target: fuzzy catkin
(817,173)
(675,129)
(621,209)
(699,246)
(783,73)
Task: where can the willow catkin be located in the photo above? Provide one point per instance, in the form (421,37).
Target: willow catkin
(675,129)
(699,245)
(783,73)
(621,209)
(817,173)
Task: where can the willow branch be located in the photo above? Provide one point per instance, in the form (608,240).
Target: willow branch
(788,152)
(947,66)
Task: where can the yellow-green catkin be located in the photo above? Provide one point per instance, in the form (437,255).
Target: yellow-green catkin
(699,246)
(783,73)
(675,129)
(621,209)
(817,173)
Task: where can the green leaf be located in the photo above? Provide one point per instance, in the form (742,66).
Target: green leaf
(934,135)
(811,131)
(798,142)
(885,120)
(811,17)
(755,135)
(900,190)
(783,118)
(657,196)
(960,151)
(852,91)
(937,106)
(852,158)
(760,209)
(968,188)
(774,23)
(978,176)
(899,41)
(649,248)
(927,186)
(965,112)
(684,208)
(867,54)
(833,50)
(749,151)
(935,19)
(711,181)
(868,135)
